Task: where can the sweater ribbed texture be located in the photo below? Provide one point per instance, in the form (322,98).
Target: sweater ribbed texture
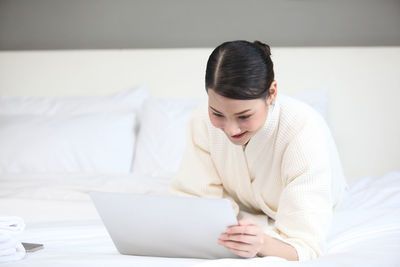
(288,179)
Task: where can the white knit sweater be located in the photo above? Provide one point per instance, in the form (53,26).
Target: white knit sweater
(288,178)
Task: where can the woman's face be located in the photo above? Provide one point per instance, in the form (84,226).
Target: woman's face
(239,119)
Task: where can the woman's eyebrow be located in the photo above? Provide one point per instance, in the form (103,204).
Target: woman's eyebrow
(244,111)
(215,110)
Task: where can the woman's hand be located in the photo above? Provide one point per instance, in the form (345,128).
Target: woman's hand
(245,239)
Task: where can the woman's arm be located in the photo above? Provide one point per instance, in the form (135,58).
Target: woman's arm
(197,175)
(304,210)
(278,248)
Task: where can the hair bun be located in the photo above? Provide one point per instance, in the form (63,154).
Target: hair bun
(265,47)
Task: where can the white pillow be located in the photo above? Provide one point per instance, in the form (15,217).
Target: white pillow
(31,143)
(162,136)
(86,143)
(126,100)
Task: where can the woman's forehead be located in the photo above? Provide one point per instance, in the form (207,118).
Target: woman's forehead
(225,104)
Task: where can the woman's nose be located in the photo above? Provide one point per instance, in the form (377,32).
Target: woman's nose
(232,129)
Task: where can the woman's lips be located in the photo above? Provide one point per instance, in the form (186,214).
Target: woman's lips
(239,135)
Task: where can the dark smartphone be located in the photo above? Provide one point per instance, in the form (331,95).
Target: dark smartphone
(31,247)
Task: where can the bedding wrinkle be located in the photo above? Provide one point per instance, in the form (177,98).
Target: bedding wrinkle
(365,232)
(11,248)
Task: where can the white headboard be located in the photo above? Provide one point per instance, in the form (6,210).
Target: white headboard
(363,86)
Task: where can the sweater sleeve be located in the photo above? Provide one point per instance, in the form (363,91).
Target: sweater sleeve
(197,174)
(305,207)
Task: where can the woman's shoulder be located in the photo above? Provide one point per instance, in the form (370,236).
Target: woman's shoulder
(295,110)
(201,128)
(199,117)
(199,121)
(296,116)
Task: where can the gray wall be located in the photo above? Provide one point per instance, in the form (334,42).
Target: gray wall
(99,24)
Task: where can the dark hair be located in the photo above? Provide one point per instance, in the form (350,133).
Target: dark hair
(240,70)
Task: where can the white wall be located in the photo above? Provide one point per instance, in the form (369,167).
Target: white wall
(363,84)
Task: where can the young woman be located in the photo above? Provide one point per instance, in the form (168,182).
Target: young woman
(271,155)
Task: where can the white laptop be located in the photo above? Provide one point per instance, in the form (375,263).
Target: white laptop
(166,226)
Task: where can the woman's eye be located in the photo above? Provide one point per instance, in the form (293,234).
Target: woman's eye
(218,115)
(244,117)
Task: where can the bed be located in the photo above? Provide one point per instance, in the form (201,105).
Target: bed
(57,109)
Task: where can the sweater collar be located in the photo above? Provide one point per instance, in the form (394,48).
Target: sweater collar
(265,134)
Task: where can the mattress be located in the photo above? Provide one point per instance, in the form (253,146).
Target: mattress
(59,214)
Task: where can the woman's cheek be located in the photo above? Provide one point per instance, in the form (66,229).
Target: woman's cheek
(217,123)
(248,126)
(256,122)
(244,126)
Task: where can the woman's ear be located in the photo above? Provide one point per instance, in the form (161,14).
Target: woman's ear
(272,92)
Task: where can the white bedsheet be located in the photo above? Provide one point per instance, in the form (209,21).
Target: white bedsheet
(365,232)
(64,197)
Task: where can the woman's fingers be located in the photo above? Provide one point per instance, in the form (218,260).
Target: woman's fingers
(246,222)
(245,229)
(244,254)
(244,239)
(248,239)
(241,249)
(234,245)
